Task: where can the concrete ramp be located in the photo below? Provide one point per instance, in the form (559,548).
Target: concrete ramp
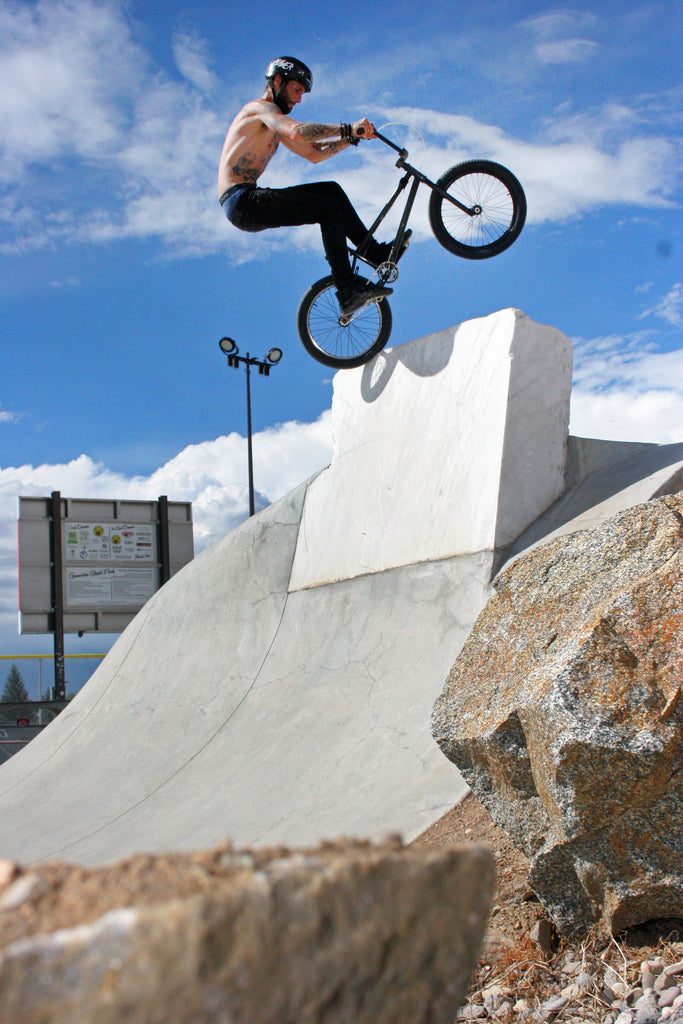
(279,687)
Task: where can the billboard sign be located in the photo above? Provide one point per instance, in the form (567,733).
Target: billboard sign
(106,557)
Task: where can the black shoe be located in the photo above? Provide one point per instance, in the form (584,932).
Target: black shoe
(358,295)
(382,250)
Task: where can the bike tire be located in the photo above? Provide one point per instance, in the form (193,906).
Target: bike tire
(503,209)
(330,342)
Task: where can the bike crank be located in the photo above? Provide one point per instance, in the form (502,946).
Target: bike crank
(387,272)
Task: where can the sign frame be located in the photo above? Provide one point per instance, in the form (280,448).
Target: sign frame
(89,565)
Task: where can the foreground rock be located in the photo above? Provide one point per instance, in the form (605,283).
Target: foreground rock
(345,933)
(564,714)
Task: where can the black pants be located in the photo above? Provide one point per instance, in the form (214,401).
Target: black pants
(324,203)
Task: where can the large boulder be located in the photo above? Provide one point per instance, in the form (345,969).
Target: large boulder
(564,714)
(346,932)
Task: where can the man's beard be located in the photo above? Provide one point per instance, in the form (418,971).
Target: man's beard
(281,102)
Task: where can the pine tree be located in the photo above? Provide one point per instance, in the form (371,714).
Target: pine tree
(15,692)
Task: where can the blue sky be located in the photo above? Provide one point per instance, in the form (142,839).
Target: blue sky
(119,273)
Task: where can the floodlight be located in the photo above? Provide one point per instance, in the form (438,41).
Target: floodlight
(229,348)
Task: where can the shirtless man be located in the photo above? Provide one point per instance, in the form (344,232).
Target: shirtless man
(251,142)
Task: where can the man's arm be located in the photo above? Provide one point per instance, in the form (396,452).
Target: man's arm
(314,142)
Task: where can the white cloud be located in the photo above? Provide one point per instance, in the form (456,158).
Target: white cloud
(566,51)
(193,62)
(67,69)
(7,416)
(670,306)
(68,282)
(624,390)
(556,38)
(131,152)
(213,475)
(625,414)
(555,23)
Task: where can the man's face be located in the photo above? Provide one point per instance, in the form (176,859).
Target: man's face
(287,95)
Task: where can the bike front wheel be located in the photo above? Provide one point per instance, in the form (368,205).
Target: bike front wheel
(332,343)
(496,209)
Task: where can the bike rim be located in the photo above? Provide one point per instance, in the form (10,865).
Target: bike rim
(478,189)
(342,342)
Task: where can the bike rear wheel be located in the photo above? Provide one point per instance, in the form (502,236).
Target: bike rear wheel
(499,201)
(332,343)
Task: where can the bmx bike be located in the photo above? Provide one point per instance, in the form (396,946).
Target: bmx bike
(476,210)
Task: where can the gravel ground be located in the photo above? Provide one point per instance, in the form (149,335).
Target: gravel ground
(526,973)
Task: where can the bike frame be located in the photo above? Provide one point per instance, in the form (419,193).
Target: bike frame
(418,179)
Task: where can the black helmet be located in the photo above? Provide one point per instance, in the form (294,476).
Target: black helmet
(291,69)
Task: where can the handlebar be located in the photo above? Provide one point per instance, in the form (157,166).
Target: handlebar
(403,153)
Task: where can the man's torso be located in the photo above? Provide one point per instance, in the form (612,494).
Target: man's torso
(248,149)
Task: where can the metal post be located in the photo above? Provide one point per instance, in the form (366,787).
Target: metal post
(230,349)
(250,455)
(57,595)
(163,539)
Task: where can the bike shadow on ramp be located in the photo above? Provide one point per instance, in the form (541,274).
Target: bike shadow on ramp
(419,360)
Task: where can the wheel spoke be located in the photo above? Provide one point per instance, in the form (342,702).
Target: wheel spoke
(497,209)
(334,339)
(334,343)
(494,193)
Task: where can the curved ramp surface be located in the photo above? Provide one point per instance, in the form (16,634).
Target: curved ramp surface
(279,687)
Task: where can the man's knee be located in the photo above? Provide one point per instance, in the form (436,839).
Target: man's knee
(331,191)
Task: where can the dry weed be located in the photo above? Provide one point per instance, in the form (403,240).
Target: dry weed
(520,983)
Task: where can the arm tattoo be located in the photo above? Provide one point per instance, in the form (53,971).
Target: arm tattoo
(313,132)
(330,147)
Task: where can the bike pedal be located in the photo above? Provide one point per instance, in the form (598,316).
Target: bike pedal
(344,321)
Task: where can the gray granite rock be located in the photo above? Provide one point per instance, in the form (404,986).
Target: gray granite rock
(564,714)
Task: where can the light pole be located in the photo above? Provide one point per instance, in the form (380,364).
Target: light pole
(271,358)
